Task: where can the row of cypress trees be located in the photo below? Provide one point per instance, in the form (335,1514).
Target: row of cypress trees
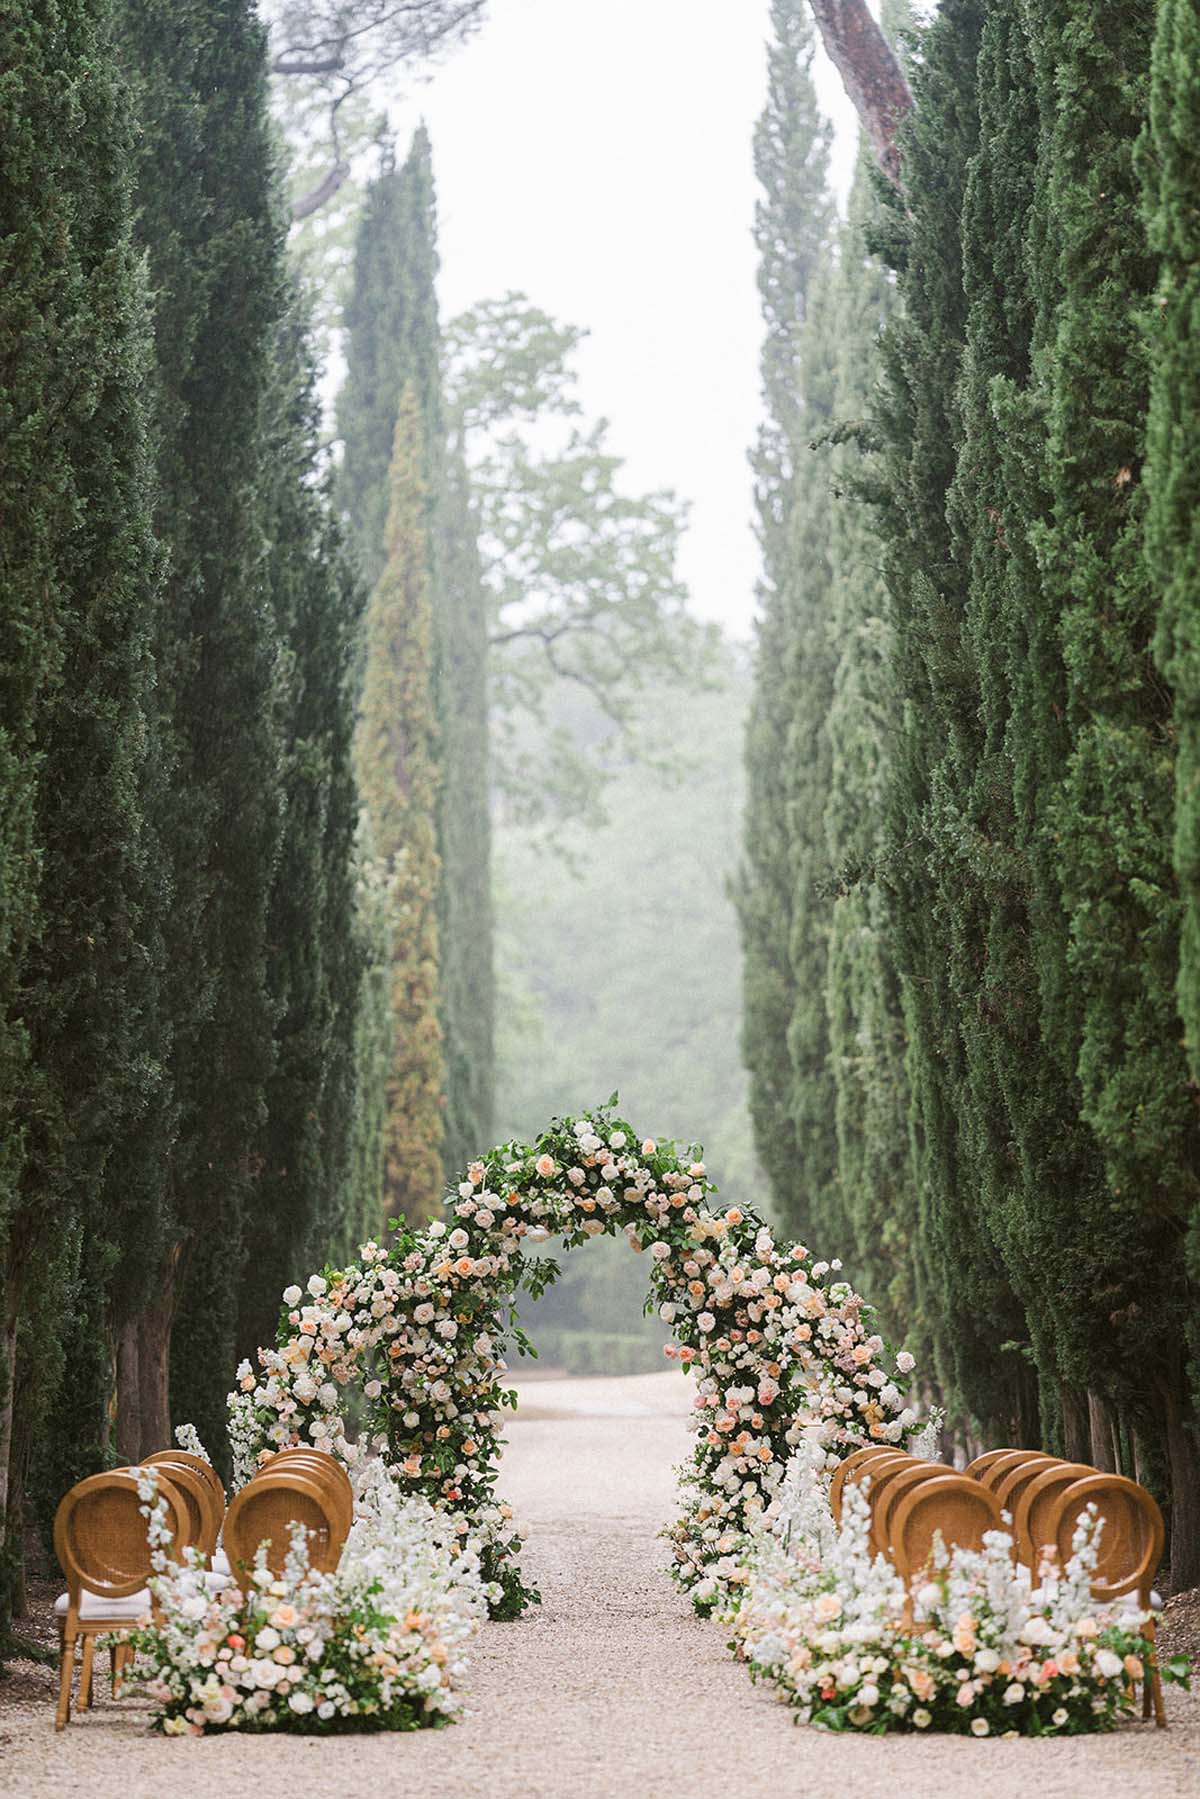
(182,953)
(969,891)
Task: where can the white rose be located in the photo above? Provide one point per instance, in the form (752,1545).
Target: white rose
(906,1362)
(300,1702)
(617,1140)
(1108,1664)
(291,1296)
(1014,1694)
(707,1322)
(459,1239)
(267,1639)
(666,1312)
(373,1389)
(329,1395)
(411,1420)
(466,1190)
(326,1709)
(660,1251)
(317,1285)
(1038,1632)
(424,1313)
(437,1228)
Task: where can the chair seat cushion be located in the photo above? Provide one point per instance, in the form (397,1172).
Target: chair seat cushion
(220,1562)
(94,1605)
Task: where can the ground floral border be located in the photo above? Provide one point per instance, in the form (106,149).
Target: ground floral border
(784,1351)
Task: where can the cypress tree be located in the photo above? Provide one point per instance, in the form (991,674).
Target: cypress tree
(397,763)
(937,919)
(80,1033)
(872,1224)
(304,1204)
(1115,803)
(792,231)
(1171,178)
(213,231)
(393,342)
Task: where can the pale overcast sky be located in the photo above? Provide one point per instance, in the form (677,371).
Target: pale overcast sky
(596,155)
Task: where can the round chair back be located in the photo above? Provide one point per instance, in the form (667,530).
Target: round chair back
(868,1469)
(1034,1509)
(1131,1535)
(265,1511)
(184,1458)
(892,1488)
(1002,1464)
(979,1467)
(324,1468)
(100,1534)
(1013,1482)
(953,1506)
(204,1516)
(845,1468)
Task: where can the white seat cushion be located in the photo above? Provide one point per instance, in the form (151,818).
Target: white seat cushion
(220,1562)
(92,1605)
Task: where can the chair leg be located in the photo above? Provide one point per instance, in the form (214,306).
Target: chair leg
(1153,1695)
(66,1670)
(85,1671)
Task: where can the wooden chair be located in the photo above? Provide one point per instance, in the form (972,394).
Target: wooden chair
(856,1459)
(892,1489)
(869,1471)
(204,1515)
(1035,1507)
(264,1512)
(1013,1482)
(326,1469)
(184,1458)
(102,1547)
(979,1467)
(1002,1463)
(1129,1551)
(952,1506)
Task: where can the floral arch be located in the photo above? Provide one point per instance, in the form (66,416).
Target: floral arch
(784,1352)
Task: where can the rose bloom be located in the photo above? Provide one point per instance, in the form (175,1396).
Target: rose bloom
(283,1617)
(545,1166)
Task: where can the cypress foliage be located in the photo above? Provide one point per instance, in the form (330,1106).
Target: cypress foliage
(1116,800)
(80,1032)
(305,1200)
(398,776)
(937,918)
(213,231)
(393,342)
(792,232)
(873,1217)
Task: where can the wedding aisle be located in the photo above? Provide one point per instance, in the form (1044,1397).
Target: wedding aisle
(611,1690)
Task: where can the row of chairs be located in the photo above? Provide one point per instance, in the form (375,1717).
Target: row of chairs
(101,1544)
(913,1501)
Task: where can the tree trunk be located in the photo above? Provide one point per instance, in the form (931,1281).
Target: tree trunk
(1103,1454)
(7,1398)
(1077,1439)
(154,1365)
(1184,1456)
(871,75)
(129,1398)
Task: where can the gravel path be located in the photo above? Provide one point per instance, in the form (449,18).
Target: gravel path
(613,1690)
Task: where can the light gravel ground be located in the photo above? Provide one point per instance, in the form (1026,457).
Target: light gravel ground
(612,1690)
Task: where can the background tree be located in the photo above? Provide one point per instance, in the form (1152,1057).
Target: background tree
(82,1031)
(397,762)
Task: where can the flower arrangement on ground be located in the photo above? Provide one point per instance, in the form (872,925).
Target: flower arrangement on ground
(784,1351)
(977,1647)
(379,1644)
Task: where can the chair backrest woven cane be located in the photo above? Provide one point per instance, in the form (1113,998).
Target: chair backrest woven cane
(100,1534)
(952,1506)
(1131,1535)
(265,1511)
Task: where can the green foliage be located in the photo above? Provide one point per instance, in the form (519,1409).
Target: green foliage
(81,1033)
(786,757)
(397,764)
(1172,476)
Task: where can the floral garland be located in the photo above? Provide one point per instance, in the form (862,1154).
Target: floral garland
(377,1645)
(976,1647)
(784,1351)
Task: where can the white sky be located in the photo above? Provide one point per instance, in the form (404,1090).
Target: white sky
(596,155)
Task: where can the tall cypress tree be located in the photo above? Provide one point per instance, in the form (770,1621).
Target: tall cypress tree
(937,917)
(304,1202)
(1115,802)
(393,342)
(1172,177)
(792,232)
(80,1029)
(213,230)
(397,761)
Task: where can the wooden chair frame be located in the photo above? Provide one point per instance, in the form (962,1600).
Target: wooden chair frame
(1091,1489)
(1059,1475)
(919,1498)
(82,1515)
(325,1468)
(867,1469)
(883,1505)
(241,1535)
(1014,1480)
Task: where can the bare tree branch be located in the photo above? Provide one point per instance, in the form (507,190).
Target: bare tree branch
(871,75)
(325,189)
